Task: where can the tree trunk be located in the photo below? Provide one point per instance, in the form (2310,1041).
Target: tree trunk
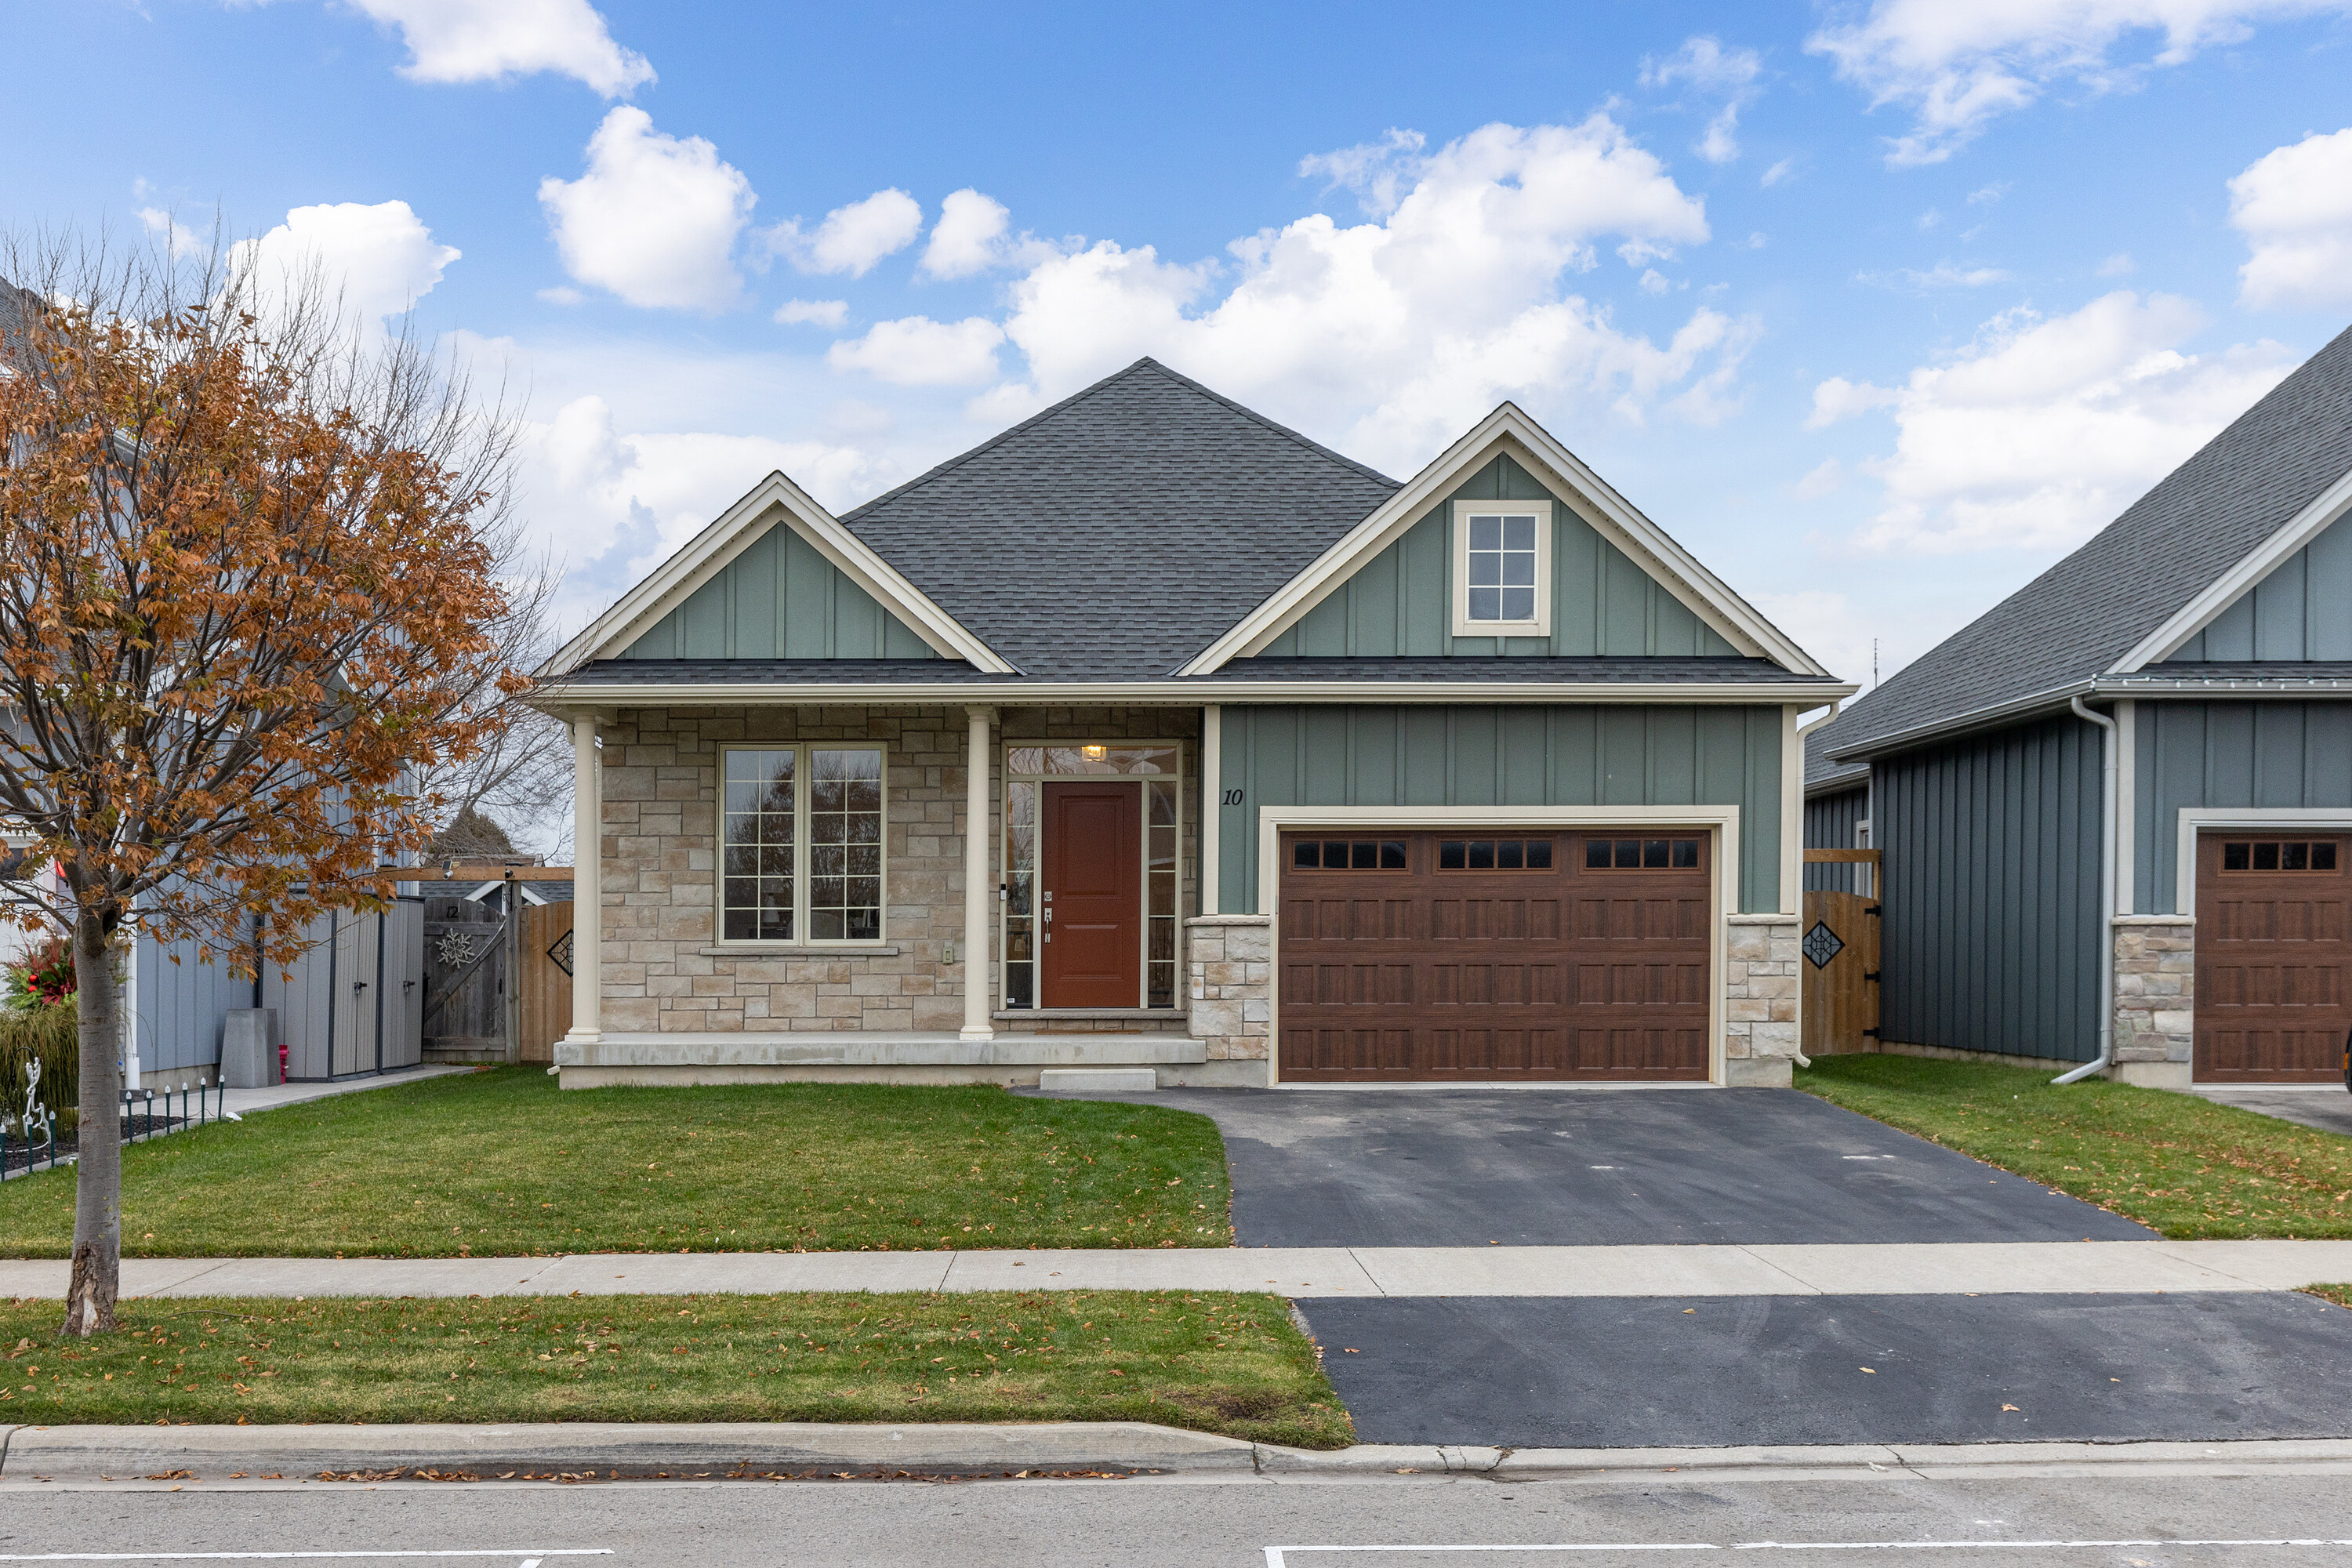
(98,1172)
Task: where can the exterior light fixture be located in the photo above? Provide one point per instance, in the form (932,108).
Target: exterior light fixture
(1094,753)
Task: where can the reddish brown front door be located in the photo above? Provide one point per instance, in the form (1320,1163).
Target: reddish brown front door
(1495,955)
(1091,908)
(2273,956)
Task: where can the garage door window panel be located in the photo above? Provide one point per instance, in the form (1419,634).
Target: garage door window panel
(2273,996)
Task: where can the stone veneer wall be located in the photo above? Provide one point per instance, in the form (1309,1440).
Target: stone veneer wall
(1760,990)
(663,970)
(1230,982)
(2155,999)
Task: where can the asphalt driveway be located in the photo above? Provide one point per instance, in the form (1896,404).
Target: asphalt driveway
(1570,1167)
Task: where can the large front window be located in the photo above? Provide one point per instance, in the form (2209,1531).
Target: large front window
(801,831)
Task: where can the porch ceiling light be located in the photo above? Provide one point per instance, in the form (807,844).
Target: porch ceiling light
(1094,753)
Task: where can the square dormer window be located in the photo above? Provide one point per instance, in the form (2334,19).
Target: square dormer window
(1502,569)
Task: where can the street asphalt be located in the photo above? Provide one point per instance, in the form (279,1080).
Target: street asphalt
(2063,1515)
(1596,1167)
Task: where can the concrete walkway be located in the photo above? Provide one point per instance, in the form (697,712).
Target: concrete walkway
(1953,1269)
(246,1101)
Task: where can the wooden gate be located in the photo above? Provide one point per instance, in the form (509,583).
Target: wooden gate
(1840,944)
(465,981)
(546,985)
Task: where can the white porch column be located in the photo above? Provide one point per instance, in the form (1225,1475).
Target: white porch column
(977,883)
(587,880)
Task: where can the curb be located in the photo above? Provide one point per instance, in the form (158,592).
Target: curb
(585,1451)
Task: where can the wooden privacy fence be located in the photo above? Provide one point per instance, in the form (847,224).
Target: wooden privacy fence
(1840,944)
(547,960)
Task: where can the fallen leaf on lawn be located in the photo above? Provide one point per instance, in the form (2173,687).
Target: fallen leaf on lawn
(2010,1407)
(1872,1370)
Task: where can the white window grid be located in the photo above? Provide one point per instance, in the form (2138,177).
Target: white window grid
(812,858)
(1502,568)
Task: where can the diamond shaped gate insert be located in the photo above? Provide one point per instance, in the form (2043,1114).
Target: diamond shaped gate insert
(562,953)
(1821,944)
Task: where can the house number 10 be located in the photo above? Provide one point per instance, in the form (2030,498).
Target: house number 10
(1233,797)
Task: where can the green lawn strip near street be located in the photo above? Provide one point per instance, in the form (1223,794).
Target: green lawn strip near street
(502,1162)
(1209,1361)
(2186,1167)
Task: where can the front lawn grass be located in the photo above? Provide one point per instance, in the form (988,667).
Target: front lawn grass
(2186,1167)
(502,1162)
(1205,1360)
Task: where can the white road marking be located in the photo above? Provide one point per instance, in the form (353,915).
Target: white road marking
(1275,1555)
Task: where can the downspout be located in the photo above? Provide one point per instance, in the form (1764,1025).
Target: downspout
(2110,809)
(1803,731)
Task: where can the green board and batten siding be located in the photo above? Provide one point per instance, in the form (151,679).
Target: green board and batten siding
(2227,756)
(1397,605)
(1616,755)
(781,598)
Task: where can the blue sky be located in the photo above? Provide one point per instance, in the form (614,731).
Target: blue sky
(1878,307)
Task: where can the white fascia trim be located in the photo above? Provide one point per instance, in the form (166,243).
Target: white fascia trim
(2228,589)
(2053,699)
(2206,686)
(2260,818)
(1724,820)
(1508,429)
(734,530)
(554,697)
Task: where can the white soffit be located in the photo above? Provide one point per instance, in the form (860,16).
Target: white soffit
(2238,580)
(708,553)
(1508,431)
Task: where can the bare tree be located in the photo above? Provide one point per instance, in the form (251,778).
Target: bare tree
(253,570)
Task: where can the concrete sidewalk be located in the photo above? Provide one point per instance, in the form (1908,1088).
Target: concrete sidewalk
(1950,1268)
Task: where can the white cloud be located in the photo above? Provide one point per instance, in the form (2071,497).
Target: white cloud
(1825,477)
(920,351)
(2119,265)
(1715,72)
(966,239)
(1991,193)
(2293,205)
(653,218)
(1783,170)
(2043,429)
(1957,66)
(1395,335)
(380,259)
(812,314)
(1943,275)
(178,240)
(1653,281)
(852,239)
(564,294)
(614,505)
(496,40)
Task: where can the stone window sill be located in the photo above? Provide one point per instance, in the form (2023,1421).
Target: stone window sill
(1105,1014)
(797,950)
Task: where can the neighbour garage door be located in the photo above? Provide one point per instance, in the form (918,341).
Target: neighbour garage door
(2273,956)
(1496,956)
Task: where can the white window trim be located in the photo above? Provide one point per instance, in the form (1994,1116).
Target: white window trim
(2258,819)
(1180,1004)
(801,780)
(1543,512)
(1722,821)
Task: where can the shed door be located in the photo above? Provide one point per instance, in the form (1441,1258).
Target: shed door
(1531,954)
(2274,950)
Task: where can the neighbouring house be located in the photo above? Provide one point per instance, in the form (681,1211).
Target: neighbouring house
(1153,734)
(2114,812)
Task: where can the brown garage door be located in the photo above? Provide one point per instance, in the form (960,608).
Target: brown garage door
(1495,956)
(2273,957)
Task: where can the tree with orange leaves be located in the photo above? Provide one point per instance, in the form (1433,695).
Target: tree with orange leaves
(251,594)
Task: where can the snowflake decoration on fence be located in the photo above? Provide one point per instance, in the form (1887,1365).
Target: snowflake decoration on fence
(456,948)
(1821,944)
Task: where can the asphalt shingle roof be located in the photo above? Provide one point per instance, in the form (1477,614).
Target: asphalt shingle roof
(2077,618)
(1118,533)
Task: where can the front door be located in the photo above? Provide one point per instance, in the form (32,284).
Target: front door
(1091,904)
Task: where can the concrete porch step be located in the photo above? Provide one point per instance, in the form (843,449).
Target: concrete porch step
(851,1048)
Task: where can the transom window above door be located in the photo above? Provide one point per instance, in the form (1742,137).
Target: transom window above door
(1502,568)
(801,844)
